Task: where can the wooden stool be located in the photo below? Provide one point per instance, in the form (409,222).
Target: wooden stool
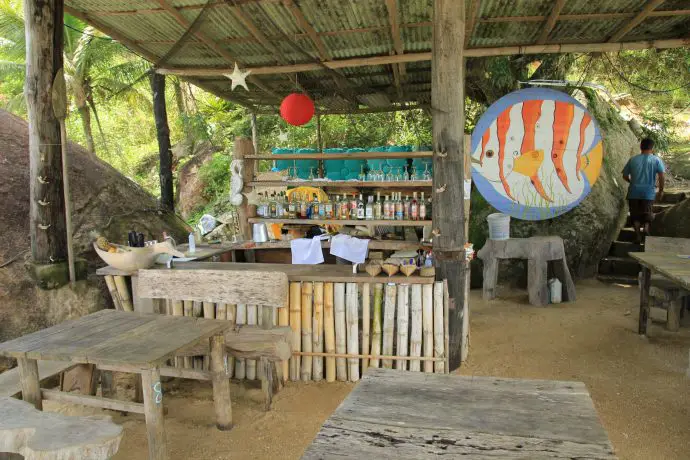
(539,251)
(45,435)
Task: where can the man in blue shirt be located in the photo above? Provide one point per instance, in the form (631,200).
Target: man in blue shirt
(641,172)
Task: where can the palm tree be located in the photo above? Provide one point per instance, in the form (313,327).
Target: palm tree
(92,63)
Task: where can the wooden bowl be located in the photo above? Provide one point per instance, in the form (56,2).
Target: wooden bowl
(390,269)
(373,269)
(408,270)
(132,259)
(427,272)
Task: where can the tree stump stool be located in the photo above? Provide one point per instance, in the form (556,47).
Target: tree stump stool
(40,435)
(539,251)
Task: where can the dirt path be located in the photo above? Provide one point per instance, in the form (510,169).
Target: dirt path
(638,386)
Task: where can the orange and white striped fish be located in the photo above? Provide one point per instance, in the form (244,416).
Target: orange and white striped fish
(513,148)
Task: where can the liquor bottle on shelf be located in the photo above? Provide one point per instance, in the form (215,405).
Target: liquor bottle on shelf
(280,206)
(377,206)
(414,207)
(406,207)
(399,207)
(429,208)
(369,209)
(272,206)
(292,208)
(360,208)
(315,207)
(328,209)
(344,208)
(422,208)
(387,213)
(353,207)
(303,207)
(260,206)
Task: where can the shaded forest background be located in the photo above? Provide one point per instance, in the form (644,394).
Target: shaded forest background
(111,104)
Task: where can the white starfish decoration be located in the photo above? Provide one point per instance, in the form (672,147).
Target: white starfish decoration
(283,136)
(252,197)
(238,78)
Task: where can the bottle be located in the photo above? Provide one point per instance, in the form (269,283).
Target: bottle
(303,207)
(360,208)
(429,209)
(322,209)
(260,206)
(192,243)
(406,208)
(272,206)
(386,208)
(353,207)
(399,207)
(377,206)
(314,214)
(369,209)
(422,208)
(414,207)
(344,208)
(328,209)
(280,206)
(292,209)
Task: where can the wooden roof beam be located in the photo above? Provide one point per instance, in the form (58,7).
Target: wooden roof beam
(426,56)
(214,46)
(650,6)
(471,22)
(308,29)
(550,22)
(393,18)
(257,34)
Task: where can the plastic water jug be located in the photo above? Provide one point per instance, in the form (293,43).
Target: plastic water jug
(555,290)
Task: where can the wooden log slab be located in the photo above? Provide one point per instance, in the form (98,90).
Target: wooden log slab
(252,342)
(46,435)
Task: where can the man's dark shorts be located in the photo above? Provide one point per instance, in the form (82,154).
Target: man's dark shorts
(641,211)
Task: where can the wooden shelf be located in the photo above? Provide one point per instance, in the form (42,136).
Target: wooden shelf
(342,156)
(379,223)
(404,184)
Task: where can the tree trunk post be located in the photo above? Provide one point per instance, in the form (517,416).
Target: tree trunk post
(160,116)
(43,59)
(448,108)
(243,147)
(319,145)
(255,134)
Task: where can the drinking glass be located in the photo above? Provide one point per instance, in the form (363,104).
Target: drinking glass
(361,177)
(311,174)
(427,174)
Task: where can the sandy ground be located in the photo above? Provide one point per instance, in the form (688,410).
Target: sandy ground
(638,385)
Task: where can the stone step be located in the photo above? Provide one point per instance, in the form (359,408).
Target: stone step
(619,266)
(626,234)
(661,207)
(622,248)
(674,197)
(618,279)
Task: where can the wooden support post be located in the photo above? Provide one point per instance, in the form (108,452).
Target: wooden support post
(240,363)
(416,326)
(366,321)
(645,283)
(255,133)
(243,147)
(44,30)
(428,325)
(307,299)
(123,291)
(403,324)
(153,412)
(296,326)
(439,328)
(376,325)
(221,382)
(252,319)
(388,324)
(30,382)
(160,115)
(448,108)
(329,330)
(340,330)
(110,282)
(351,313)
(284,320)
(319,145)
(317,332)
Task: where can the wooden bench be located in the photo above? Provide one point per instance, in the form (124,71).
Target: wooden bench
(267,290)
(41,435)
(10,385)
(539,251)
(663,293)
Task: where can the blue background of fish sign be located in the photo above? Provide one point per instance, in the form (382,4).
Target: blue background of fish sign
(500,202)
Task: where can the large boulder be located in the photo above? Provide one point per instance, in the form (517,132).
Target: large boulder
(105,203)
(674,222)
(588,229)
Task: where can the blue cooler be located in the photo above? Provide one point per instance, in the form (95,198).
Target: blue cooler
(282,165)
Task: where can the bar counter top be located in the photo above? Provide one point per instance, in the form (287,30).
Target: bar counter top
(322,272)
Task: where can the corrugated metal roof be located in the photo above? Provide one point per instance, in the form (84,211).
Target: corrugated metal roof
(350,29)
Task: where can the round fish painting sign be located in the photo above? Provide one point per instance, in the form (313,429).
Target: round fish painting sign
(536,153)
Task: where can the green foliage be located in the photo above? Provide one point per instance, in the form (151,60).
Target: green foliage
(215,174)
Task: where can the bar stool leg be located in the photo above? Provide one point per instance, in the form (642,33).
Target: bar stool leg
(221,383)
(153,411)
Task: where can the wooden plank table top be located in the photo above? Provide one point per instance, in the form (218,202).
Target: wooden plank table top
(422,415)
(669,264)
(114,338)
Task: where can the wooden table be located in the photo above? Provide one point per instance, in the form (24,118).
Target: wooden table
(427,415)
(127,342)
(668,264)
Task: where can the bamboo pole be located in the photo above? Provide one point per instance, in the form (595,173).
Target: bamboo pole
(240,364)
(188,308)
(329,330)
(428,325)
(252,319)
(284,320)
(177,308)
(403,324)
(222,311)
(317,332)
(168,307)
(352,314)
(368,356)
(366,322)
(187,361)
(296,326)
(230,312)
(416,326)
(307,300)
(388,324)
(340,334)
(439,327)
(376,325)
(110,282)
(209,310)
(197,309)
(123,290)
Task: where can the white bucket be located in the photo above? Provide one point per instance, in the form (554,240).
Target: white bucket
(499,226)
(555,290)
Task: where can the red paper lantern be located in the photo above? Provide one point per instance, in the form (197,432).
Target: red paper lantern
(297,109)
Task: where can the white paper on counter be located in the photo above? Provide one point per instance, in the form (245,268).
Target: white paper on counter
(352,249)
